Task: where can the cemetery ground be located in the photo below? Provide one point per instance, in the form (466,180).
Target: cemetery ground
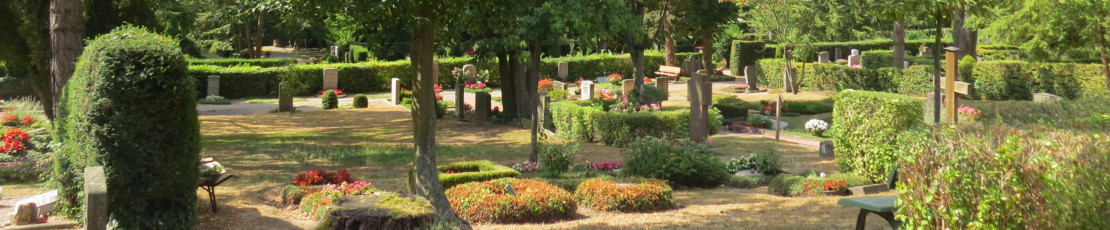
(267,149)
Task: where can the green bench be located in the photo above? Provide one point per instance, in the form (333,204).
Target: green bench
(880,205)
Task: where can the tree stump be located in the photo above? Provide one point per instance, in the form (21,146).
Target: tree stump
(381,211)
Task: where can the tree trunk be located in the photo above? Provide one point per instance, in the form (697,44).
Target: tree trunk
(508,84)
(1102,52)
(424,119)
(899,35)
(936,69)
(965,39)
(637,70)
(520,80)
(668,41)
(66,28)
(258,36)
(533,95)
(707,50)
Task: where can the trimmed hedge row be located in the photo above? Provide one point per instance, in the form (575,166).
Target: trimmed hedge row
(486,170)
(874,59)
(745,53)
(1015,80)
(229,62)
(810,54)
(606,195)
(576,120)
(1002,177)
(591,66)
(865,129)
(832,77)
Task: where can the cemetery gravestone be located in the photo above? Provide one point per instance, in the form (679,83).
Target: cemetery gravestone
(285,101)
(751,77)
(331,78)
(661,83)
(460,100)
(1046,98)
(395,96)
(545,119)
(558,85)
(823,57)
(926,52)
(587,90)
(482,106)
(96,199)
(213,85)
(700,96)
(826,149)
(838,55)
(435,71)
(564,69)
(471,72)
(854,59)
(627,85)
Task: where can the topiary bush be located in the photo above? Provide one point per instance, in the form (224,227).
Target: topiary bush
(529,201)
(877,59)
(865,129)
(361,101)
(631,195)
(688,164)
(130,91)
(1002,177)
(329,100)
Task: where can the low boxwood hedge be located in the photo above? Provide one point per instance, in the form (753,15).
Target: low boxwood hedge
(639,195)
(473,171)
(865,129)
(875,59)
(578,120)
(529,201)
(229,62)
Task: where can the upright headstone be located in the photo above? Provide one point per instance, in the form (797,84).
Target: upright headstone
(925,52)
(558,85)
(564,69)
(838,56)
(700,95)
(545,119)
(587,90)
(277,43)
(96,199)
(471,72)
(435,71)
(751,76)
(823,57)
(854,59)
(331,78)
(627,85)
(662,84)
(25,214)
(482,106)
(460,100)
(1046,98)
(334,50)
(213,85)
(826,149)
(285,101)
(395,95)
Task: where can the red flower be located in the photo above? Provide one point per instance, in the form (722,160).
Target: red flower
(28,120)
(15,141)
(9,120)
(321,177)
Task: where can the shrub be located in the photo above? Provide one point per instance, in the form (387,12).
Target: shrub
(9,120)
(807,107)
(877,59)
(730,106)
(1002,177)
(745,53)
(329,100)
(645,195)
(690,164)
(767,162)
(130,88)
(557,158)
(361,101)
(828,76)
(1005,80)
(529,201)
(810,185)
(558,94)
(866,126)
(576,121)
(866,45)
(321,177)
(745,182)
(471,171)
(230,62)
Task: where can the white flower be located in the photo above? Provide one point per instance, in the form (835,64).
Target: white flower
(817,125)
(822,174)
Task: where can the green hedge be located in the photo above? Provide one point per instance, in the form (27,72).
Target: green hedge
(865,129)
(875,59)
(486,170)
(999,52)
(130,90)
(810,55)
(809,185)
(229,62)
(688,164)
(357,53)
(1014,80)
(591,66)
(831,77)
(745,53)
(576,120)
(1002,177)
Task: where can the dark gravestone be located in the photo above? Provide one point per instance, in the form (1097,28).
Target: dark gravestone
(285,101)
(548,123)
(460,100)
(827,149)
(482,106)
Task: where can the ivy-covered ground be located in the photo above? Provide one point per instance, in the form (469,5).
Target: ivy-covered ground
(267,150)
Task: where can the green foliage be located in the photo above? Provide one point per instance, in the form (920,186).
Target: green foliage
(361,101)
(808,107)
(231,62)
(688,164)
(558,94)
(652,95)
(745,182)
(358,53)
(829,76)
(768,162)
(998,53)
(472,171)
(875,59)
(1013,80)
(329,100)
(745,53)
(131,87)
(1087,114)
(865,129)
(1001,177)
(557,158)
(576,121)
(916,80)
(863,46)
(644,196)
(809,185)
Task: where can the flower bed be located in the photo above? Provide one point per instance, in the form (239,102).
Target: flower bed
(528,201)
(608,195)
(470,171)
(813,184)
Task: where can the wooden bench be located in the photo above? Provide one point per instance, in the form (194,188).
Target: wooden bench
(880,205)
(669,71)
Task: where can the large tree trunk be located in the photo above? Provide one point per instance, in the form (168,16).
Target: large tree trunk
(533,95)
(258,36)
(965,39)
(508,84)
(899,35)
(521,83)
(707,50)
(424,119)
(637,53)
(66,28)
(1102,52)
(668,41)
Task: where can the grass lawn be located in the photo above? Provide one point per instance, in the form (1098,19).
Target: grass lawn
(267,150)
